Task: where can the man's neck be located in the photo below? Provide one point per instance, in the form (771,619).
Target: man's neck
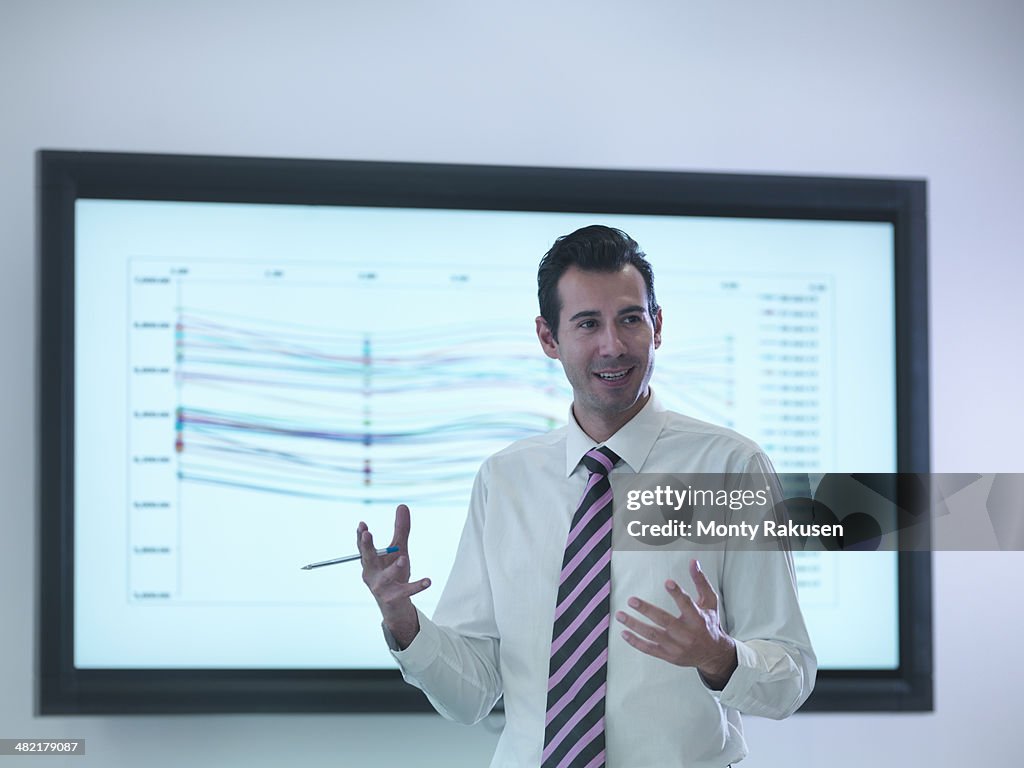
(600,429)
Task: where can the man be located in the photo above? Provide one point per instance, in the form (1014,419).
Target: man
(528,610)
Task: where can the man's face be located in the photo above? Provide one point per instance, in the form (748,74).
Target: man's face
(606,342)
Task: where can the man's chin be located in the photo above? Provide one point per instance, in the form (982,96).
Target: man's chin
(613,404)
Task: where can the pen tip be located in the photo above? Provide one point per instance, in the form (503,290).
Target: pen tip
(304,568)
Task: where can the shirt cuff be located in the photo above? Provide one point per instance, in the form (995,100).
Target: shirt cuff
(423,649)
(737,691)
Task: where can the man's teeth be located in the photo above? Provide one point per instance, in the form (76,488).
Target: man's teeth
(613,376)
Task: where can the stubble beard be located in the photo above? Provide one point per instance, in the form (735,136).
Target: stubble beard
(614,405)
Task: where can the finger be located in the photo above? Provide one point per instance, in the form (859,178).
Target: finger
(659,616)
(708,599)
(402,525)
(397,572)
(415,587)
(687,609)
(368,554)
(363,537)
(395,592)
(646,631)
(651,649)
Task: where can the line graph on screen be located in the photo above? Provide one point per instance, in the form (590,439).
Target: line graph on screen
(275,407)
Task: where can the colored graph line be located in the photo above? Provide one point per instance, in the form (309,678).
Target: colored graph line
(353,416)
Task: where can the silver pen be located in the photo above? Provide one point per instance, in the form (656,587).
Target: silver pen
(347,559)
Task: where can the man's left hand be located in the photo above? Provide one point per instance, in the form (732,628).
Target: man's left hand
(694,638)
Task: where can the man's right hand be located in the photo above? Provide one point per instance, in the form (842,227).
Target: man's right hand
(387,576)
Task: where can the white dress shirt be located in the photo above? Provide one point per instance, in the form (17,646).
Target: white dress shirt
(491,633)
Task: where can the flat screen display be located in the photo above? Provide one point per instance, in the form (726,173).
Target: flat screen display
(260,378)
(241,359)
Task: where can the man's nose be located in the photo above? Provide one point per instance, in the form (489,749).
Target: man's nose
(611,342)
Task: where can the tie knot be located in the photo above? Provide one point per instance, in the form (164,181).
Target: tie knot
(600,460)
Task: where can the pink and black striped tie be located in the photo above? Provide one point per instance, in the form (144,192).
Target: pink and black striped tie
(574,726)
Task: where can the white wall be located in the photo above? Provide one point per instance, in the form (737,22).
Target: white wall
(921,88)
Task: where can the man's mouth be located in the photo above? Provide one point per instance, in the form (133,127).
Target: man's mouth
(613,376)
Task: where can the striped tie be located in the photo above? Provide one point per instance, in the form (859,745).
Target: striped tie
(574,726)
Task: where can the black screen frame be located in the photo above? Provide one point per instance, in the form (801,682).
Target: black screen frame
(65,176)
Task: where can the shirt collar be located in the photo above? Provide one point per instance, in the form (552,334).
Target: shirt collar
(633,442)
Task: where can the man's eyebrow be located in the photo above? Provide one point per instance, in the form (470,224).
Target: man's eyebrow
(630,310)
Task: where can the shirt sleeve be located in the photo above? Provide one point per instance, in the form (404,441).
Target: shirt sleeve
(776,663)
(454,658)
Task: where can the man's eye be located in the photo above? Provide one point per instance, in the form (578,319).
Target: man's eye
(588,324)
(631,319)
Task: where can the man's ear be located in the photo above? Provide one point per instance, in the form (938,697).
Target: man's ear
(657,328)
(547,339)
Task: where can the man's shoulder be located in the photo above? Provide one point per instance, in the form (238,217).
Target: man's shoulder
(703,435)
(680,423)
(543,447)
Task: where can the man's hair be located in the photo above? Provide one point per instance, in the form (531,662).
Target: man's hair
(594,249)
